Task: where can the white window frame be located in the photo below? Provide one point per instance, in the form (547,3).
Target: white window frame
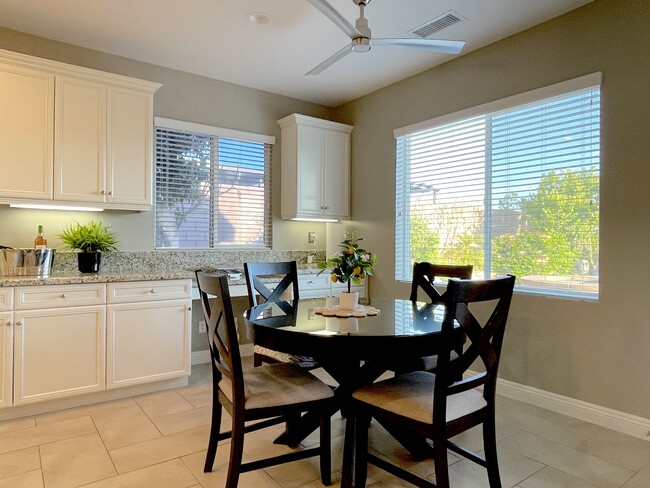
(403,205)
(218,133)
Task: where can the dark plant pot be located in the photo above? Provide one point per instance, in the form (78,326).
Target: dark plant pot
(89,262)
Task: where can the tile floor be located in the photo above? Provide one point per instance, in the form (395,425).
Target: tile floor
(159,441)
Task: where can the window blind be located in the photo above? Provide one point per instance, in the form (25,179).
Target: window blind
(211,191)
(514,190)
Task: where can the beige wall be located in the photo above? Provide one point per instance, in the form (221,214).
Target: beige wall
(183,96)
(598,352)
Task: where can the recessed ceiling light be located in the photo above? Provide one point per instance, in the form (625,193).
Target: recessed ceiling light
(258,18)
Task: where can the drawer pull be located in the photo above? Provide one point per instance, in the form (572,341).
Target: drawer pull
(62,295)
(153,290)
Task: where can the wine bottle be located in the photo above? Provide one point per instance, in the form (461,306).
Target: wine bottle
(40,242)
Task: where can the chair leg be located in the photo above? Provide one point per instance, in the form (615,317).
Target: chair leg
(236,452)
(215,429)
(325,449)
(348,452)
(490,446)
(361,450)
(440,462)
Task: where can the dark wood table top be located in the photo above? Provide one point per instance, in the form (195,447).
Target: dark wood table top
(401,329)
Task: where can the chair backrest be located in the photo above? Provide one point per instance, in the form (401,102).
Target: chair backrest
(222,331)
(255,271)
(484,338)
(424,275)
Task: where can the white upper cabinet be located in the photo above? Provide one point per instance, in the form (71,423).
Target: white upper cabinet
(74,135)
(315,168)
(130,142)
(80,140)
(26,128)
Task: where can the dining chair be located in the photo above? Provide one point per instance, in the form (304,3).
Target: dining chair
(438,406)
(268,394)
(425,274)
(259,292)
(424,277)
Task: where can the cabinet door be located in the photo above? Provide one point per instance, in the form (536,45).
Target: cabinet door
(58,352)
(130,133)
(336,174)
(6,358)
(310,171)
(147,342)
(26,133)
(80,140)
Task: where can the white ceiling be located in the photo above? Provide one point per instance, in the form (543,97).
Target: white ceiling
(213,38)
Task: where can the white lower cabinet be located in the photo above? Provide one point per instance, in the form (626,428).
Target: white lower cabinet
(59,341)
(58,352)
(148,336)
(6,358)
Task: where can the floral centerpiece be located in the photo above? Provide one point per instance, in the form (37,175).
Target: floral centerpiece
(350,265)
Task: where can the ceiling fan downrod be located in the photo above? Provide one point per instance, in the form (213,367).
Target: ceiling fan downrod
(361,44)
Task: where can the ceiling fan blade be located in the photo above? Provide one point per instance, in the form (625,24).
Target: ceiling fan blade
(434,45)
(331,60)
(332,14)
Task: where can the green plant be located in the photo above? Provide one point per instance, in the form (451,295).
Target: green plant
(91,237)
(350,265)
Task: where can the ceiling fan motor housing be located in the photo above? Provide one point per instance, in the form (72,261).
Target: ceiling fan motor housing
(361,44)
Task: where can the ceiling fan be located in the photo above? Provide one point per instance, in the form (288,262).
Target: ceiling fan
(359,33)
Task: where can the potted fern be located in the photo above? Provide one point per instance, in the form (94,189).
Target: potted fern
(89,241)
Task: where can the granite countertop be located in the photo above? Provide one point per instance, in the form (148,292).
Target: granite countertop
(67,278)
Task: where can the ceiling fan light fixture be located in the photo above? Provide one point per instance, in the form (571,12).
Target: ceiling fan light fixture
(360,45)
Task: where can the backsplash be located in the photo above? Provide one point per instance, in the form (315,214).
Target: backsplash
(178,260)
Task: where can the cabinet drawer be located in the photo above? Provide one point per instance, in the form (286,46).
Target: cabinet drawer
(6,299)
(314,281)
(48,296)
(148,291)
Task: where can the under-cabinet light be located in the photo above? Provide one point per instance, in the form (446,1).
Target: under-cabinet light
(298,219)
(39,206)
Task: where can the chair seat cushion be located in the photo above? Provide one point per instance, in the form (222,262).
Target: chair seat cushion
(278,384)
(283,357)
(411,395)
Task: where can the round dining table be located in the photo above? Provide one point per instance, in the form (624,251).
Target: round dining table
(354,347)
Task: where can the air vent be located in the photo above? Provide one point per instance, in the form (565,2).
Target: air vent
(437,24)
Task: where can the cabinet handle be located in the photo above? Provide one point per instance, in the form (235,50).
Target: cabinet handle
(9,323)
(189,309)
(153,290)
(103,192)
(20,322)
(110,193)
(62,295)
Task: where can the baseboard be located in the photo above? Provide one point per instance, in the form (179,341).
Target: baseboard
(605,417)
(202,357)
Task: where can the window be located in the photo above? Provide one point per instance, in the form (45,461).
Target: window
(509,187)
(212,187)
